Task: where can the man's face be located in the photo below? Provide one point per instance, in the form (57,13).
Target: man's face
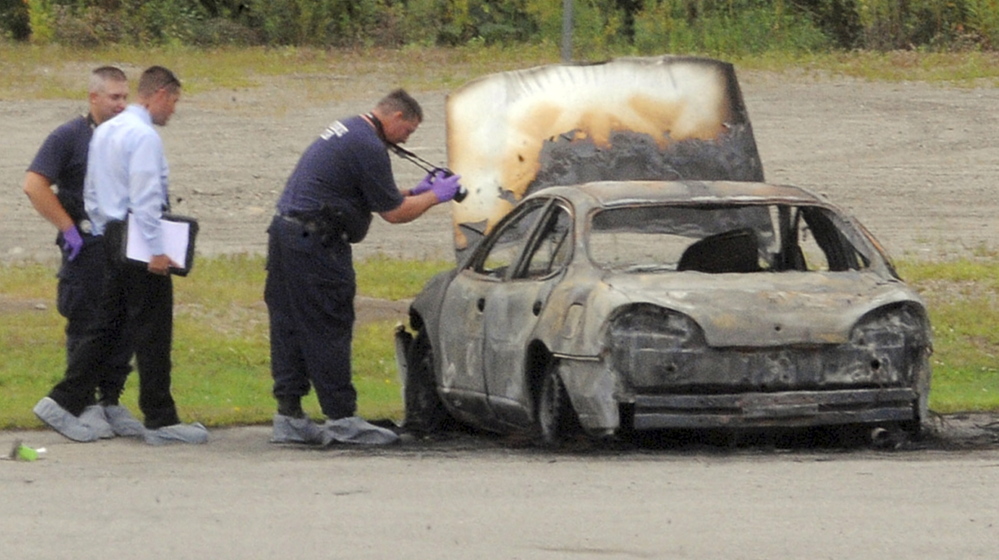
(163,104)
(109,101)
(398,129)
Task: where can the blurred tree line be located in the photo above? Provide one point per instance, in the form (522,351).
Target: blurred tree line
(600,26)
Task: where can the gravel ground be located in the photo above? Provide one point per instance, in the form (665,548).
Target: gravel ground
(916,163)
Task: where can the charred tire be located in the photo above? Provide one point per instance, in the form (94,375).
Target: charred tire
(425,412)
(556,419)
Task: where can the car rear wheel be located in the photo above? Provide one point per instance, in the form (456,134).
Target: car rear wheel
(556,419)
(425,412)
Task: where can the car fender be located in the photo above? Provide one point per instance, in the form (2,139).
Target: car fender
(424,311)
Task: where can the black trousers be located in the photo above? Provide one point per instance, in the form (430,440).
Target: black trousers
(136,311)
(79,295)
(310,301)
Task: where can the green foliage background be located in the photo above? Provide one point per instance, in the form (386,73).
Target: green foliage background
(713,27)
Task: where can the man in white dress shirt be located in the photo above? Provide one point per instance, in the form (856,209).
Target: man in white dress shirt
(127,177)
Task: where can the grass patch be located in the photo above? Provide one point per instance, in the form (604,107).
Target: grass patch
(221,353)
(56,72)
(28,281)
(962,297)
(222,362)
(387,278)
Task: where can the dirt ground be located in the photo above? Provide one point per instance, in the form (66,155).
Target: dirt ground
(917,164)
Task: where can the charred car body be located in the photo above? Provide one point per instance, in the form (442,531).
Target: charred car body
(634,272)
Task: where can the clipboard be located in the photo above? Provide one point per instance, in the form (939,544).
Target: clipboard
(179,234)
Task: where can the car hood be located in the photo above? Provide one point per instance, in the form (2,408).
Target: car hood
(766,309)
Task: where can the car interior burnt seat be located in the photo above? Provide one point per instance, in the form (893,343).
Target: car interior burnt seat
(735,250)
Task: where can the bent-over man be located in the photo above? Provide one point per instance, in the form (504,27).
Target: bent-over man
(327,204)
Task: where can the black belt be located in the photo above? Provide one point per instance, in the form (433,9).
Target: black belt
(309,225)
(324,229)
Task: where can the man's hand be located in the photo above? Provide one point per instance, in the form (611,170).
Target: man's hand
(427,183)
(446,187)
(160,264)
(72,242)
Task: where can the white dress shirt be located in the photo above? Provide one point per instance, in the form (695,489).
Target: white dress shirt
(127,173)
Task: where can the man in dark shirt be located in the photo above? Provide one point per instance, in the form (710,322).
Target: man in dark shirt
(327,204)
(62,162)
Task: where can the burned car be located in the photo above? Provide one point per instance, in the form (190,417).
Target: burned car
(646,278)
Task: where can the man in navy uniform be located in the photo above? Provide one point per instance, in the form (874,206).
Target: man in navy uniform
(62,162)
(340,181)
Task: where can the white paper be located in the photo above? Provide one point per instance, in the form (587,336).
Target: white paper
(175,238)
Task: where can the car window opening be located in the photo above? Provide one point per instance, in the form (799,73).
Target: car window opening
(723,239)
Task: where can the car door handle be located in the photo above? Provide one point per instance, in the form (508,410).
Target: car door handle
(481,304)
(536,308)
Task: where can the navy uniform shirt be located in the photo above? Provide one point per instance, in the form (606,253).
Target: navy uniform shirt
(347,170)
(62,159)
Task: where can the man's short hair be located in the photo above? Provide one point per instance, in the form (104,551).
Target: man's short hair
(103,74)
(399,100)
(156,78)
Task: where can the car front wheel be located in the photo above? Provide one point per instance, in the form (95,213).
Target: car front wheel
(556,419)
(425,412)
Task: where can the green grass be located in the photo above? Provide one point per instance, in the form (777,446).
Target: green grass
(221,373)
(963,298)
(221,355)
(54,72)
(387,278)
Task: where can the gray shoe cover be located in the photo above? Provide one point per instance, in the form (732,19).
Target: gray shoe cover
(357,430)
(122,422)
(60,420)
(93,418)
(178,433)
(288,429)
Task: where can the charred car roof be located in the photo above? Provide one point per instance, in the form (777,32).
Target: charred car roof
(613,193)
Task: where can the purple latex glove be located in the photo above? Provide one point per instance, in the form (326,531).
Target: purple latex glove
(72,242)
(445,188)
(427,183)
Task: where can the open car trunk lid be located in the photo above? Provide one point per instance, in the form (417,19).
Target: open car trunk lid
(664,118)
